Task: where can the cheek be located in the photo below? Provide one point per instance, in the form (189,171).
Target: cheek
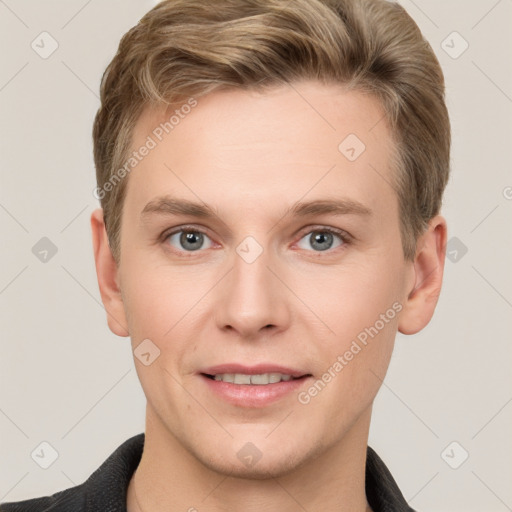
(360,305)
(354,365)
(154,300)
(350,297)
(163,302)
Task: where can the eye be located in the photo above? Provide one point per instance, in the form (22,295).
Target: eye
(188,240)
(322,240)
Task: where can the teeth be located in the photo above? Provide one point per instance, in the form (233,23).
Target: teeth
(261,379)
(242,379)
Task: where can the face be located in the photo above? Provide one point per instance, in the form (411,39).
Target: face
(291,262)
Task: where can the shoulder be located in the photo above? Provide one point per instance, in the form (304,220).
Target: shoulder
(104,490)
(382,491)
(67,500)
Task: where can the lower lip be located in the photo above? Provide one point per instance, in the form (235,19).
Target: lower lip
(253,395)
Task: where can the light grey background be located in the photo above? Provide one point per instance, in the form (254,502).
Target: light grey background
(65,379)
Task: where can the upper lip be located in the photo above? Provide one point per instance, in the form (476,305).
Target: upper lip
(252,370)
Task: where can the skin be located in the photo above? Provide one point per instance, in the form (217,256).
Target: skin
(250,156)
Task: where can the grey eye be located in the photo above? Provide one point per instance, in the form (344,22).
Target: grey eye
(189,240)
(321,240)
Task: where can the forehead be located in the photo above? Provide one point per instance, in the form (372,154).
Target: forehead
(263,146)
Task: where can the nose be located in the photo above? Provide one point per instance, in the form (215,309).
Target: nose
(251,301)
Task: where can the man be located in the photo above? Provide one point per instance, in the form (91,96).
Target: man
(270,176)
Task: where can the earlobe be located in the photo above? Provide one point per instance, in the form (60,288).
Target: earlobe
(107,274)
(428,265)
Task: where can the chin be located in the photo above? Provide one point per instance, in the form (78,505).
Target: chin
(255,457)
(261,470)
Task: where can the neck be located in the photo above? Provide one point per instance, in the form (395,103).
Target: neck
(169,477)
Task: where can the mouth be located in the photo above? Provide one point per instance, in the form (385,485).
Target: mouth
(260,379)
(253,387)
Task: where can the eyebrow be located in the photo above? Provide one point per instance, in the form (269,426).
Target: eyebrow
(167,205)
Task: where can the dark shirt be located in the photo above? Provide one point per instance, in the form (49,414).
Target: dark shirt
(105,490)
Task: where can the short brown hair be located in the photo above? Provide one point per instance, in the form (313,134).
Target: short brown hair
(185,48)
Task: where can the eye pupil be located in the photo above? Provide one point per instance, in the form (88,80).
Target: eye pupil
(321,240)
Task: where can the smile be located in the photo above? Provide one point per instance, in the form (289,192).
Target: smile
(259,379)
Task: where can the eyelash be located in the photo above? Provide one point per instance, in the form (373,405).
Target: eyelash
(343,235)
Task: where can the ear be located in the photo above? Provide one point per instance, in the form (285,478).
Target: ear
(107,273)
(428,271)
